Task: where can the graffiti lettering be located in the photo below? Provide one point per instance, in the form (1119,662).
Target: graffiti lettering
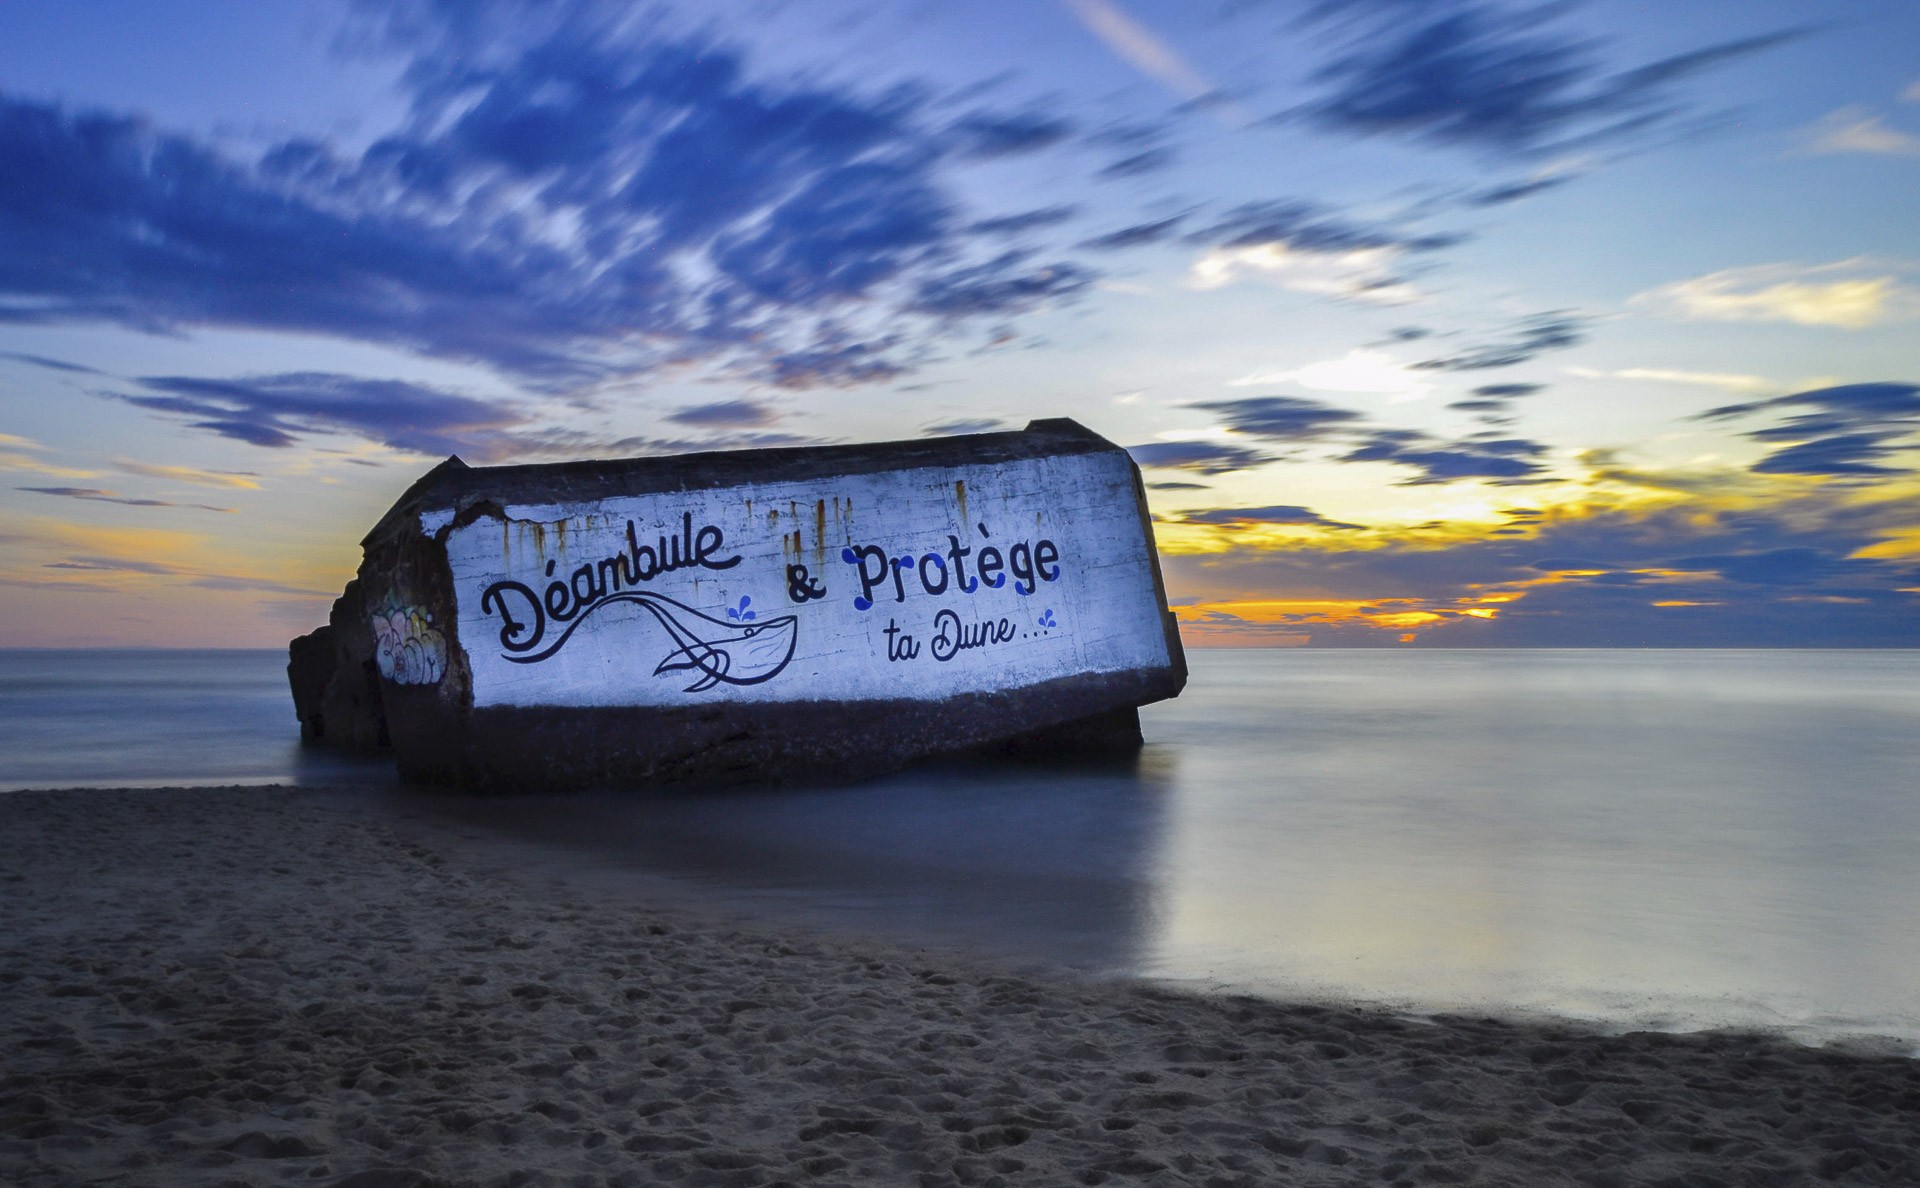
(1029,563)
(951,636)
(905,647)
(407,649)
(593,584)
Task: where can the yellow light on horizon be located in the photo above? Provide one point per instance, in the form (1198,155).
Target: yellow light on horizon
(1404,619)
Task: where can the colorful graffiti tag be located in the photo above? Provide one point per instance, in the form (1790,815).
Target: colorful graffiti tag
(407,647)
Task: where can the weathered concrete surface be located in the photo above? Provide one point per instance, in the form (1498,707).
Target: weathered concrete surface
(336,687)
(754,616)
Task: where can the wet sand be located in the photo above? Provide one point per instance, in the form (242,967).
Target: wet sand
(247,987)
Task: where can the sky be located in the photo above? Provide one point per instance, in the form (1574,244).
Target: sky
(1431,323)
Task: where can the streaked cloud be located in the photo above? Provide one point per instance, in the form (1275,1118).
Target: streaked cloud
(1137,45)
(1492,403)
(1900,544)
(118,565)
(1497,78)
(1030,220)
(1496,458)
(1313,227)
(192,576)
(1250,517)
(567,444)
(1859,130)
(15,461)
(1549,176)
(1530,337)
(999,287)
(244,480)
(733,414)
(1851,431)
(572,196)
(1304,247)
(1726,380)
(1137,235)
(99,495)
(148,560)
(1201,457)
(59,585)
(1282,418)
(1359,274)
(1502,460)
(1146,161)
(50,364)
(62,537)
(987,134)
(1847,294)
(21,454)
(963,426)
(277,411)
(1360,370)
(1480,404)
(837,362)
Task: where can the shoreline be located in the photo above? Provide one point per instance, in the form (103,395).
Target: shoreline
(248,986)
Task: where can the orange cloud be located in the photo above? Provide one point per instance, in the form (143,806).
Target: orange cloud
(13,461)
(191,474)
(60,553)
(1268,622)
(72,536)
(1684,557)
(1902,544)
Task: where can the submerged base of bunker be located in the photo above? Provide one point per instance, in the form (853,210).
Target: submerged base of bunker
(755,616)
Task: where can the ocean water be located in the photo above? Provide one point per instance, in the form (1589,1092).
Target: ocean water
(149,718)
(1671,839)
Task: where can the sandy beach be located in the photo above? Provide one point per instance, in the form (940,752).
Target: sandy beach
(261,987)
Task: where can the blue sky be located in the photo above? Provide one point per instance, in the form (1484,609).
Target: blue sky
(1432,323)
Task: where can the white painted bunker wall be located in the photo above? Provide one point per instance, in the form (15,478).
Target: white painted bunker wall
(748,630)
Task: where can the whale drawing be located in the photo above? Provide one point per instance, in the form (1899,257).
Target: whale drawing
(722,652)
(734,653)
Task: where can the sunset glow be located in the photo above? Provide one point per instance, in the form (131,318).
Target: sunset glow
(1607,339)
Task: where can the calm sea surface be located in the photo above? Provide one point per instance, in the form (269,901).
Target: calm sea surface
(1640,838)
